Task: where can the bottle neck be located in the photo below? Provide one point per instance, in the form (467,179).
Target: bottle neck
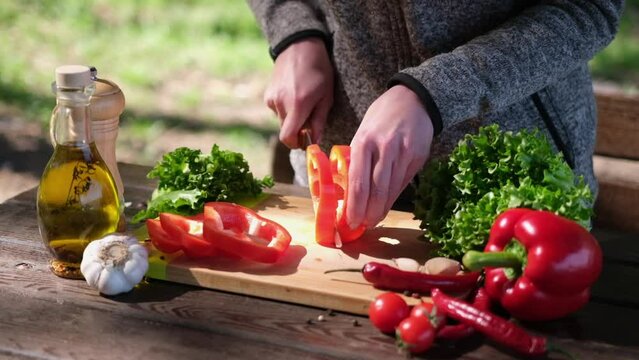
(71,121)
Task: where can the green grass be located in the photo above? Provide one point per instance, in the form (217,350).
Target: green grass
(619,62)
(145,44)
(140,44)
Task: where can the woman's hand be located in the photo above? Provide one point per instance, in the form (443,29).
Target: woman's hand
(390,147)
(301,89)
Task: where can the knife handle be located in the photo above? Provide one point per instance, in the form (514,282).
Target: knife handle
(304,137)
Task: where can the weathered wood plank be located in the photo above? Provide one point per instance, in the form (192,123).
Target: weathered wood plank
(617,203)
(25,274)
(40,328)
(618,246)
(163,309)
(23,265)
(618,123)
(134,175)
(616,285)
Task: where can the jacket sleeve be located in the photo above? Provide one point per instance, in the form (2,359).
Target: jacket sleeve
(524,55)
(284,22)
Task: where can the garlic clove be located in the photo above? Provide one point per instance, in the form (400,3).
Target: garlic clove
(406,264)
(113,282)
(441,266)
(135,270)
(90,251)
(91,271)
(138,249)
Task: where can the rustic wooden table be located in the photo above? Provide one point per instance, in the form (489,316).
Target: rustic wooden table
(43,316)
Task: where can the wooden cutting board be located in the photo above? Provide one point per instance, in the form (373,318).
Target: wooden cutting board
(299,276)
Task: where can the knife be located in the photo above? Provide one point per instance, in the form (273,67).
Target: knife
(298,156)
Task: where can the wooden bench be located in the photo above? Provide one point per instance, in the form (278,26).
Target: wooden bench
(616,159)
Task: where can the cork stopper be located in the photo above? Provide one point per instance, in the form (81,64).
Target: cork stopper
(72,76)
(107,102)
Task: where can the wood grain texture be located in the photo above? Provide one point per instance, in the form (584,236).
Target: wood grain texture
(617,204)
(618,124)
(25,273)
(38,328)
(43,316)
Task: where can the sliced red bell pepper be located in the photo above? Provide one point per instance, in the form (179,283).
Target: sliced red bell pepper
(340,159)
(560,261)
(240,231)
(189,231)
(160,239)
(323,193)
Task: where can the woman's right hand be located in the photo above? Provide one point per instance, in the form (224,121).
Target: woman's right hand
(301,89)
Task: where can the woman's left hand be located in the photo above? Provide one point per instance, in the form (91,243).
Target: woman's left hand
(390,147)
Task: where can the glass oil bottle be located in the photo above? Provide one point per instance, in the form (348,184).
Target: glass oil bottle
(77,198)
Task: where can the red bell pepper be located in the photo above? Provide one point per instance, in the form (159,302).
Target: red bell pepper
(189,232)
(328,183)
(160,239)
(539,265)
(240,231)
(323,193)
(340,158)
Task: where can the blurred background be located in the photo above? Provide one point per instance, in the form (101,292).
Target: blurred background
(193,74)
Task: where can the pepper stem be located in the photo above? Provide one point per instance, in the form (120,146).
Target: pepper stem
(476,260)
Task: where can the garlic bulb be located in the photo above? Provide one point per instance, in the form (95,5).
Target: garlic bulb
(114,264)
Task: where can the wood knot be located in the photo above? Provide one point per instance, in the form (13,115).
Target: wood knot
(23,266)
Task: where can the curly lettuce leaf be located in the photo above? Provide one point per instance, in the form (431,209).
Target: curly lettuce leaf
(188,178)
(184,202)
(458,200)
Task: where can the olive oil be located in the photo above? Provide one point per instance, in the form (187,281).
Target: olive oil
(78,201)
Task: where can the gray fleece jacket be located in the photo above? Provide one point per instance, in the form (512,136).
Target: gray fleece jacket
(521,64)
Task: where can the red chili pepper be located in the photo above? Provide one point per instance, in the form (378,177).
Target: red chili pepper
(494,327)
(560,261)
(386,277)
(463,330)
(240,231)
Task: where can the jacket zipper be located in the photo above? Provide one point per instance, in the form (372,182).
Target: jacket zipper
(554,133)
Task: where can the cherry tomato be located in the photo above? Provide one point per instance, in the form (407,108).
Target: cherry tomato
(427,309)
(416,334)
(387,311)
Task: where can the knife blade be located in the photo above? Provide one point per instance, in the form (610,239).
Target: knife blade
(297,157)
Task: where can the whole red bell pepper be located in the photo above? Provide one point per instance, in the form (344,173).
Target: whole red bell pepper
(539,265)
(241,231)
